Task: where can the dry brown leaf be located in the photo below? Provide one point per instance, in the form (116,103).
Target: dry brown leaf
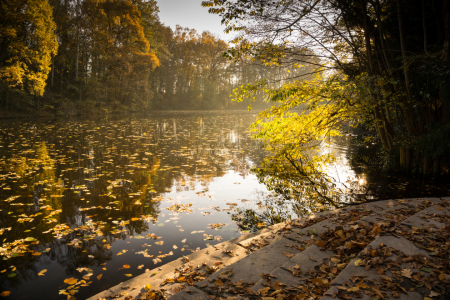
(406,273)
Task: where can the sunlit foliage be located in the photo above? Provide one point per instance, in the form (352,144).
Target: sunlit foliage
(398,83)
(27,43)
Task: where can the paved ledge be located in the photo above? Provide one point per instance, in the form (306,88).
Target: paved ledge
(340,254)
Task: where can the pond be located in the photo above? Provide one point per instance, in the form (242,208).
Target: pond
(103,200)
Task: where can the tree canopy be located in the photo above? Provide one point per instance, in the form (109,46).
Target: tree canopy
(27,43)
(379,64)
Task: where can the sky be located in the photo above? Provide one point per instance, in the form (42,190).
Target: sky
(190,13)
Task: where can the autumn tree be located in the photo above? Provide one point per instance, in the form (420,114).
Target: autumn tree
(27,43)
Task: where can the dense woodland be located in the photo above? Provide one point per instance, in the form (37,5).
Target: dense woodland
(74,56)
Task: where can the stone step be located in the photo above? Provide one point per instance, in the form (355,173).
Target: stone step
(403,254)
(301,264)
(248,270)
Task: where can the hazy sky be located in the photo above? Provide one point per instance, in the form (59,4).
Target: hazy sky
(190,13)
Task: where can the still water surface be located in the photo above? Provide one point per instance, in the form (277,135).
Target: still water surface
(102,201)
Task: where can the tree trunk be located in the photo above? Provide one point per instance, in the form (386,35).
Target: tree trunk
(78,41)
(444,89)
(403,46)
(424,25)
(424,165)
(367,36)
(436,166)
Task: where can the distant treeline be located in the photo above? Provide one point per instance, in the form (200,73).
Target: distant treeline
(76,56)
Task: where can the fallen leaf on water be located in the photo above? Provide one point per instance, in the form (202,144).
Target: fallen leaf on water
(70,280)
(5,293)
(126,266)
(41,273)
(128,275)
(99,276)
(140,267)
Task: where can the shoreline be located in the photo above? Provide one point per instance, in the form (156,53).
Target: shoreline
(250,256)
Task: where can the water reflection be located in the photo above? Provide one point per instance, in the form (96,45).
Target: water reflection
(82,199)
(84,194)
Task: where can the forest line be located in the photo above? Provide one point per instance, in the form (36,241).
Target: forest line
(75,56)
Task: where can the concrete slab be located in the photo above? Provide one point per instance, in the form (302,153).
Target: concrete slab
(264,260)
(304,260)
(401,244)
(282,276)
(387,214)
(315,229)
(421,219)
(190,293)
(402,296)
(260,241)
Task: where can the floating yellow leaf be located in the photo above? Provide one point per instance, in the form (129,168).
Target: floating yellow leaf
(147,287)
(5,293)
(70,280)
(128,275)
(41,273)
(99,276)
(126,266)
